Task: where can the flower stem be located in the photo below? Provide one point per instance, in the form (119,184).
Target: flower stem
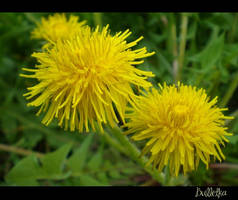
(114,143)
(18,150)
(182,46)
(134,153)
(172,39)
(31,17)
(173,44)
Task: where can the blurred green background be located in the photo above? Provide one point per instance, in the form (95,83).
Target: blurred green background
(200,49)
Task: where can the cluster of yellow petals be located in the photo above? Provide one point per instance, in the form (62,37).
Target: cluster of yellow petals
(181,126)
(87,78)
(56,27)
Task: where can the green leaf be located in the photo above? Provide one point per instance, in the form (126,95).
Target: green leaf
(25,172)
(86,180)
(230,54)
(77,161)
(112,172)
(115,173)
(213,52)
(102,177)
(210,54)
(52,163)
(96,160)
(157,38)
(31,138)
(130,171)
(9,127)
(192,31)
(165,63)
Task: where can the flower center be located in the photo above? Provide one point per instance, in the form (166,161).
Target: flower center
(180,110)
(179,115)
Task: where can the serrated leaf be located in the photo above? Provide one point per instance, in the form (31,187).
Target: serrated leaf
(28,182)
(86,180)
(108,164)
(213,52)
(114,174)
(230,54)
(25,172)
(77,161)
(129,171)
(102,177)
(72,181)
(210,54)
(52,163)
(96,160)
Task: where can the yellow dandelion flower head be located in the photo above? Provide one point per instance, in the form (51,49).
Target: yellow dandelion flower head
(83,80)
(56,27)
(181,126)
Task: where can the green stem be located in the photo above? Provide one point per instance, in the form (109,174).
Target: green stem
(182,45)
(173,45)
(134,153)
(230,91)
(114,143)
(18,150)
(97,17)
(172,38)
(31,17)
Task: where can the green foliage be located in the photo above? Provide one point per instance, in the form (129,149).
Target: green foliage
(211,53)
(77,161)
(24,173)
(202,176)
(30,169)
(77,169)
(210,62)
(52,163)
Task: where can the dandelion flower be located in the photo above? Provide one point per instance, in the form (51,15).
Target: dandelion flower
(87,78)
(57,27)
(181,126)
